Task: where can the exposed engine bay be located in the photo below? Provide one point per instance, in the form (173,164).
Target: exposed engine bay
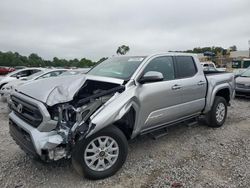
(74,117)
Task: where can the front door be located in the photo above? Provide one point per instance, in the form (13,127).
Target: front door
(159,101)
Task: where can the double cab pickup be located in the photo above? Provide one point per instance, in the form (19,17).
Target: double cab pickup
(90,118)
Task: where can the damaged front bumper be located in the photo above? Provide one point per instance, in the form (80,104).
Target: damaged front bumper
(45,145)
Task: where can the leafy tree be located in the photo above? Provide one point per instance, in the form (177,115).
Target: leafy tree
(122,50)
(214,49)
(233,48)
(35,60)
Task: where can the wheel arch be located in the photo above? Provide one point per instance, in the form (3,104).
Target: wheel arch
(3,84)
(222,90)
(225,93)
(127,123)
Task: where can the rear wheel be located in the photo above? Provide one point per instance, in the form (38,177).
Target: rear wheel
(217,116)
(102,154)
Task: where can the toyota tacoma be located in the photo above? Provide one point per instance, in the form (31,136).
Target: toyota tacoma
(90,118)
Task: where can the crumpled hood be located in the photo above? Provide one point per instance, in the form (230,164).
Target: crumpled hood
(243,80)
(59,89)
(53,90)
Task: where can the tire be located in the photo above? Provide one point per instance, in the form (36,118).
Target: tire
(217,116)
(108,165)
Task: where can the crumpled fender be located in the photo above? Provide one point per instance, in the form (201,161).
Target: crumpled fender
(114,109)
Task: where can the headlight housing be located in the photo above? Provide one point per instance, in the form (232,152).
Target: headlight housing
(54,112)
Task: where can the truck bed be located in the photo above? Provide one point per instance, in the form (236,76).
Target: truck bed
(216,79)
(214,72)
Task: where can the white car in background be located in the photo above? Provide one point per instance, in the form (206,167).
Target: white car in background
(21,73)
(210,66)
(6,90)
(75,72)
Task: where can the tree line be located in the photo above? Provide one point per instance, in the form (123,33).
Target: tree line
(12,59)
(214,49)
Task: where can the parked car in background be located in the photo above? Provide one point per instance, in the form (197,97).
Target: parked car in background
(210,66)
(6,70)
(91,117)
(75,72)
(84,70)
(22,73)
(45,73)
(238,72)
(243,84)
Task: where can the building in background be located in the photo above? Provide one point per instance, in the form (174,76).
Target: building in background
(239,54)
(240,59)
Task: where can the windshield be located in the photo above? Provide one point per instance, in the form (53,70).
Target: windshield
(33,75)
(117,67)
(246,73)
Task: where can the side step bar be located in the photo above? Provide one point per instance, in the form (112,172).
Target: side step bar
(159,133)
(163,130)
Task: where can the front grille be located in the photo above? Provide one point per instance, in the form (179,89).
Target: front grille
(22,138)
(243,86)
(27,112)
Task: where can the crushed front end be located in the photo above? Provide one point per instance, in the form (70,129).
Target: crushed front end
(50,132)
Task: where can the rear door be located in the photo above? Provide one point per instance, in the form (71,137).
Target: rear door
(193,85)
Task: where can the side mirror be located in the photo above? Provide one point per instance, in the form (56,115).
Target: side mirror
(18,76)
(151,76)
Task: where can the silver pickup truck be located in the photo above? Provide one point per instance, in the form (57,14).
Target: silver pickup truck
(91,117)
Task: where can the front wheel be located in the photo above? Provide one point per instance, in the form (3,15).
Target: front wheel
(217,116)
(102,154)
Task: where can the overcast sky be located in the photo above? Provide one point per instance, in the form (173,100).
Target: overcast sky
(95,28)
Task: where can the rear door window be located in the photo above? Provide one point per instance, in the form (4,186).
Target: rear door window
(185,66)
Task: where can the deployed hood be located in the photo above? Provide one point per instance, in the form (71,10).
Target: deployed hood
(243,80)
(59,89)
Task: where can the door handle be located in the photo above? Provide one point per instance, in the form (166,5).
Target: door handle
(201,83)
(175,87)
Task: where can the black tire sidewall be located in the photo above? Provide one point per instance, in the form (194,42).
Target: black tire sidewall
(213,120)
(78,153)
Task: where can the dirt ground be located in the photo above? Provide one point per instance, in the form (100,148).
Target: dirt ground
(189,156)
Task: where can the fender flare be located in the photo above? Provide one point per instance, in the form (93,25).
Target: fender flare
(210,100)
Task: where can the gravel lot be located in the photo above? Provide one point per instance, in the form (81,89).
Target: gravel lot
(190,156)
